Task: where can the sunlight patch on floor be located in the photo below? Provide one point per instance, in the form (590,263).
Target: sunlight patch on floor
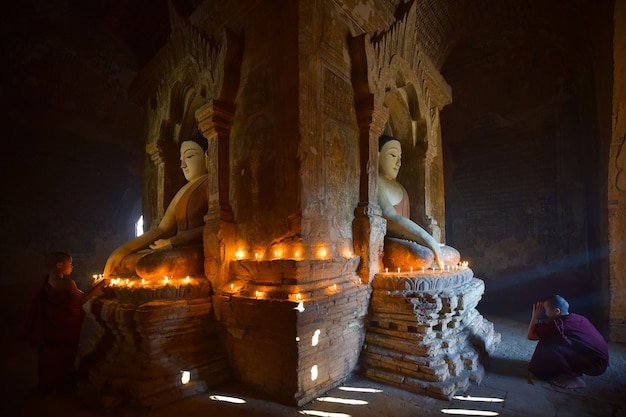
(227,399)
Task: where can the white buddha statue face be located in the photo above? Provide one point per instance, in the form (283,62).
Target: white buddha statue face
(192,160)
(390,159)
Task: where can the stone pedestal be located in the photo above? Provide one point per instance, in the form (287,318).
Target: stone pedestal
(424,333)
(294,329)
(146,338)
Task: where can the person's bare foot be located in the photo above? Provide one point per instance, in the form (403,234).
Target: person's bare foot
(569,383)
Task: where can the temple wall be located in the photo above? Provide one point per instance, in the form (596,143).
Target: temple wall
(617,182)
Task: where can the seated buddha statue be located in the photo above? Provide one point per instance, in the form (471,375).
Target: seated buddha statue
(174,247)
(407,245)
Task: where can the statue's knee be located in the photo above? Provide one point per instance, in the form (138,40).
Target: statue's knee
(174,262)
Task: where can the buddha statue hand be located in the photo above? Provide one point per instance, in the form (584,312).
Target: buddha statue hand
(161,244)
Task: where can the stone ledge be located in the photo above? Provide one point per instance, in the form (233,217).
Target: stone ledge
(422,281)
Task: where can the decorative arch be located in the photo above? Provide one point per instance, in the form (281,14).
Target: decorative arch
(194,73)
(396,84)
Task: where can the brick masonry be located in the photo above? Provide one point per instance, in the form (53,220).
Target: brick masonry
(424,333)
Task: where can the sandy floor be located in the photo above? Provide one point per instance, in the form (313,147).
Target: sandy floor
(505,389)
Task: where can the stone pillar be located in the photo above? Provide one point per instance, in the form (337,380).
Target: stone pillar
(214,122)
(294,327)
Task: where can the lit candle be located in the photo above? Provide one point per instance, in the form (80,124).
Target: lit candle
(126,281)
(298,297)
(187,279)
(323,253)
(239,254)
(411,269)
(423,270)
(335,287)
(275,254)
(256,256)
(398,270)
(256,294)
(95,277)
(143,281)
(297,254)
(166,279)
(386,270)
(232,287)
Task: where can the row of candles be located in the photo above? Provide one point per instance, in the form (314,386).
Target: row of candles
(240,254)
(446,268)
(119,282)
(292,297)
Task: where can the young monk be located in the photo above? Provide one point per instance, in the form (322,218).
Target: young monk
(569,345)
(54,320)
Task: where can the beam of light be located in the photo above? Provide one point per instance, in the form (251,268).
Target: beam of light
(356,389)
(342,400)
(478,399)
(226,399)
(461,412)
(313,372)
(323,413)
(300,307)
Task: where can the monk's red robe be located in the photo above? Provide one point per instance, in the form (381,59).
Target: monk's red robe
(568,346)
(53,325)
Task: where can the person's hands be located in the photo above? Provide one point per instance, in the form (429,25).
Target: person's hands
(161,244)
(537,310)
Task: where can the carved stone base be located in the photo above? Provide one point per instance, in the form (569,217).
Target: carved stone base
(138,354)
(424,333)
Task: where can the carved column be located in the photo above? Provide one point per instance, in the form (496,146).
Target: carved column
(214,122)
(368,225)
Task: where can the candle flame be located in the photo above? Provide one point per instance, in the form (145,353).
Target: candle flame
(239,254)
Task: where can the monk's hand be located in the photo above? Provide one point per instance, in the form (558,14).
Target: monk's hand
(161,244)
(537,310)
